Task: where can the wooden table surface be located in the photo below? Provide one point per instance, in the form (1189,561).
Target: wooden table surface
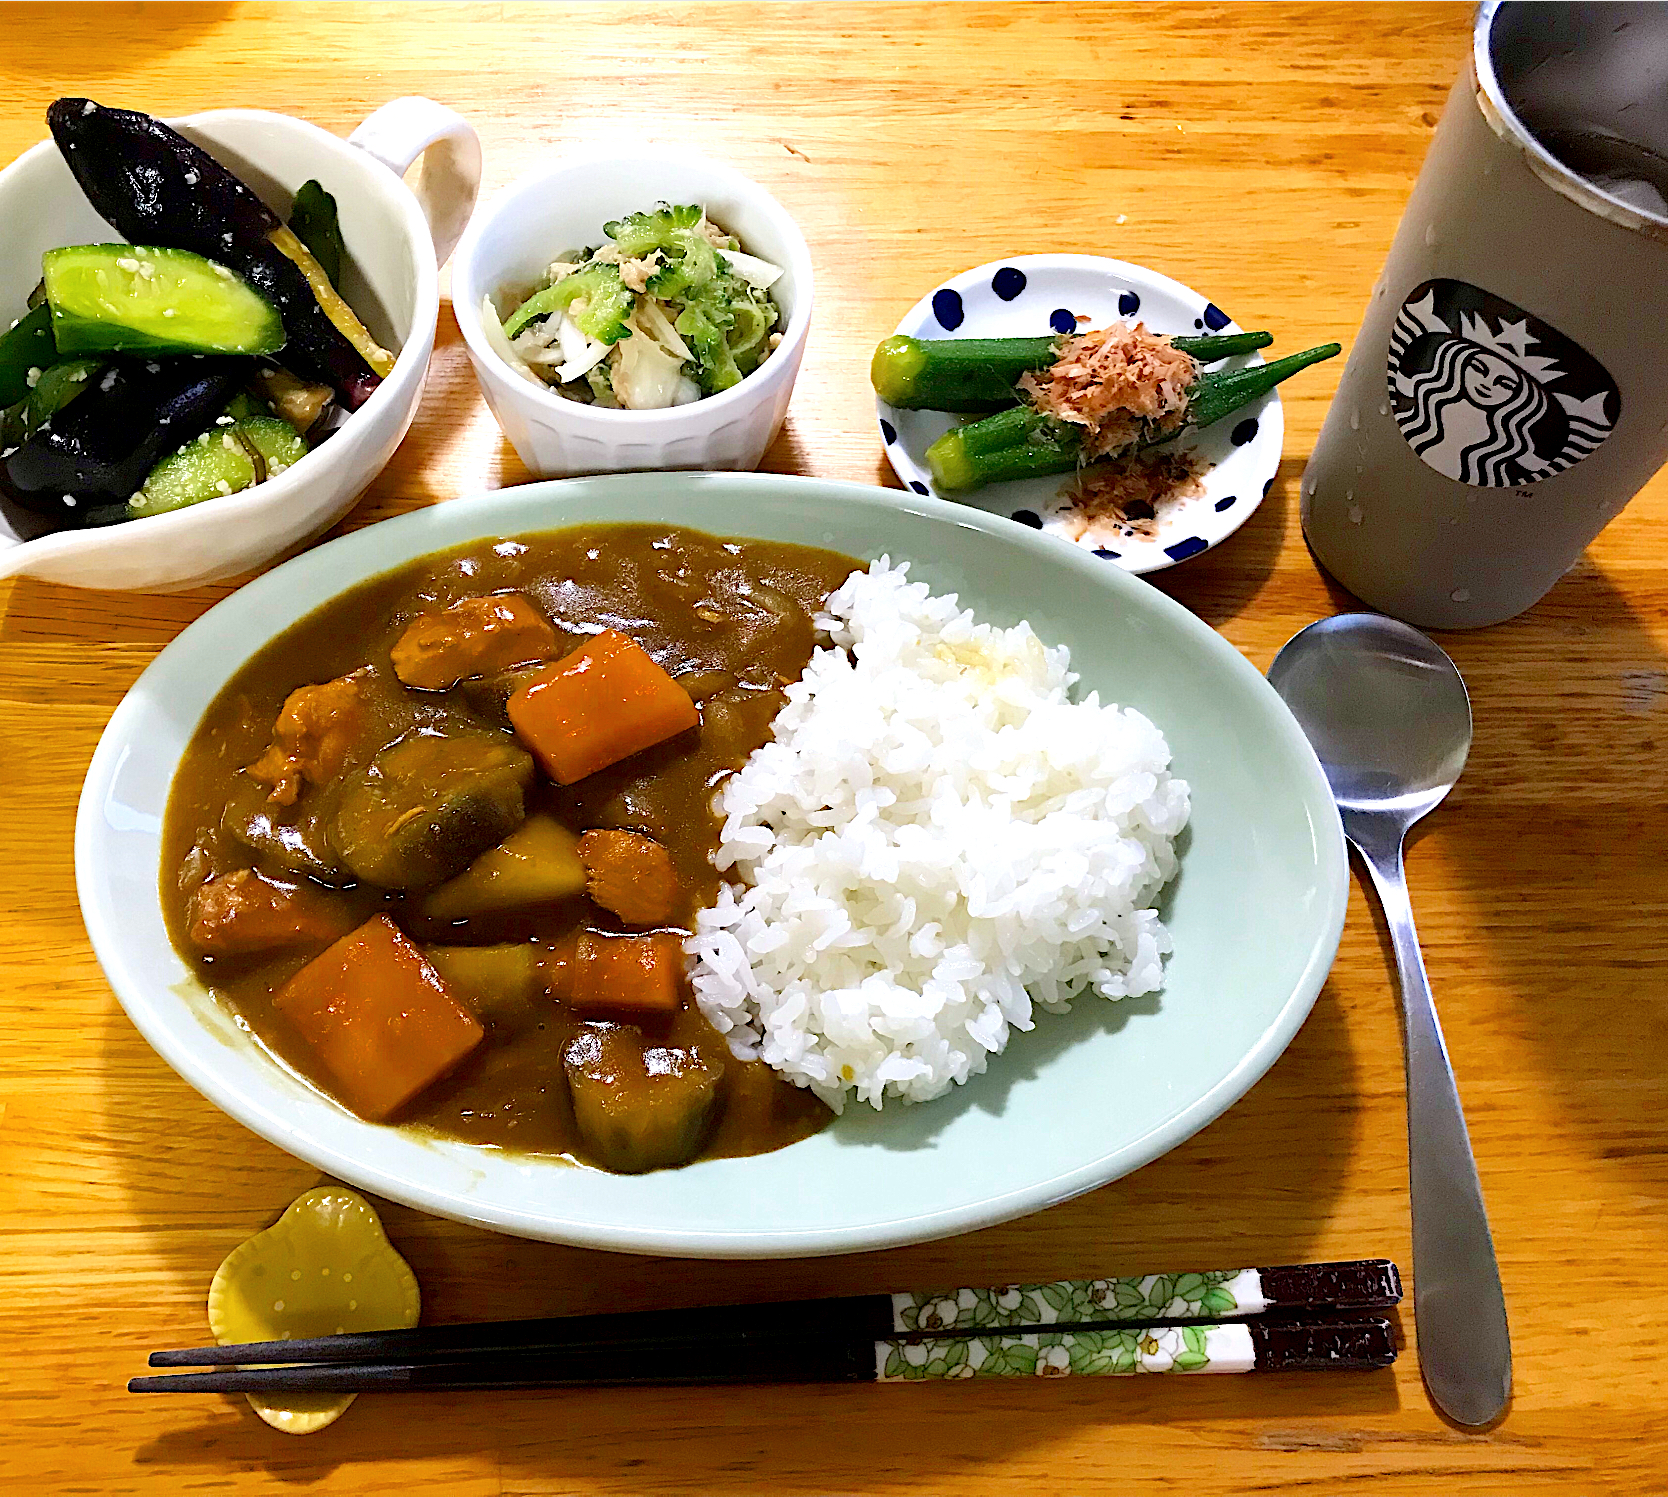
(1261,151)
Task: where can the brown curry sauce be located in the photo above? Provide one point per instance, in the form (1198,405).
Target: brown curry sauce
(733,618)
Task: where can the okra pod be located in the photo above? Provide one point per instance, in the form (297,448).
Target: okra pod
(1219,394)
(969,376)
(957,470)
(1024,443)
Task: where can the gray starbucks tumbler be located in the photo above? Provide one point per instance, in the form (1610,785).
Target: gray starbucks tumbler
(1508,391)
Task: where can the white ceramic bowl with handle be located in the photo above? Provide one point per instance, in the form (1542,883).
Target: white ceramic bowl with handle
(564,205)
(396,241)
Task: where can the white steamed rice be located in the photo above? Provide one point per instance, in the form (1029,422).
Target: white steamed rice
(936,841)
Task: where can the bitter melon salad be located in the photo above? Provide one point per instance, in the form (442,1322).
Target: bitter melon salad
(666,310)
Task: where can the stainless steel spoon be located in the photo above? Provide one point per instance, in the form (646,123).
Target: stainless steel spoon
(1390,721)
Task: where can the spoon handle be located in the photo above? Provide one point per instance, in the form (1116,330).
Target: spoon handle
(1465,1351)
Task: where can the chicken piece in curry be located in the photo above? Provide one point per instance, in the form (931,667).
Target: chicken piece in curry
(439,844)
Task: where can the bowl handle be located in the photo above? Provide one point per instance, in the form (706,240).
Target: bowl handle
(404,129)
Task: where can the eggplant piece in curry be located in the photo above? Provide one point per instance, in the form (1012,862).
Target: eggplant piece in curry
(439,843)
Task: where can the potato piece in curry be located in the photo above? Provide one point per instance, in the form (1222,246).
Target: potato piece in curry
(408,803)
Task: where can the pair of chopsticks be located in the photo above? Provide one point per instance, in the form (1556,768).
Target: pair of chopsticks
(1305,1317)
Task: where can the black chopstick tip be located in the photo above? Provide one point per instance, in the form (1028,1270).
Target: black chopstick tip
(1368,1283)
(1316,1346)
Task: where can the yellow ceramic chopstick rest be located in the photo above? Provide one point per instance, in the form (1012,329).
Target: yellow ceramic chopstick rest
(324,1267)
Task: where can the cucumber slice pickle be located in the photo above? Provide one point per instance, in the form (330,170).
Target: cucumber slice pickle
(125,298)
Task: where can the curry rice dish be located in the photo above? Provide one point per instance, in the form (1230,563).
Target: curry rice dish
(450,845)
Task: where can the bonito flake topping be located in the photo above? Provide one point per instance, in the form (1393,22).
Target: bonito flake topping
(1114,383)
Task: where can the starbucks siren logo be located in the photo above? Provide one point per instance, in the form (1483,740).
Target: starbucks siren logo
(1489,395)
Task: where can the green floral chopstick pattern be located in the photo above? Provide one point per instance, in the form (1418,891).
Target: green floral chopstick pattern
(1110,1353)
(1184,1296)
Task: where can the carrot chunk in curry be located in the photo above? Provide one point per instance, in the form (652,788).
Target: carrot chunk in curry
(603,703)
(375,1012)
(631,875)
(312,738)
(240,912)
(473,637)
(639,974)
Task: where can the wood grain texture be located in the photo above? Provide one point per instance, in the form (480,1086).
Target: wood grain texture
(1261,151)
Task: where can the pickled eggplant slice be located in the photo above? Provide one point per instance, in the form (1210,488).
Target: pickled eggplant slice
(156,187)
(99,449)
(299,403)
(427,806)
(125,298)
(28,346)
(640,1107)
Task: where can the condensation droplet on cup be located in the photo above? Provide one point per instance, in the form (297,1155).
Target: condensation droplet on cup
(1349,494)
(1384,410)
(1430,235)
(1355,419)
(1461,595)
(1356,514)
(1311,487)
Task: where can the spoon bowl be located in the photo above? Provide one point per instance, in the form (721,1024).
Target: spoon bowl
(1385,709)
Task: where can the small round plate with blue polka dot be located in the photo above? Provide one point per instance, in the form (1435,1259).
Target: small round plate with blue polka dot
(1030,295)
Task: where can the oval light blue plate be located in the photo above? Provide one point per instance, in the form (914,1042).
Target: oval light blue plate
(1256,911)
(1031,295)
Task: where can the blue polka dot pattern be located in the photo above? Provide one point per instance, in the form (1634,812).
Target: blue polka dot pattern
(918,486)
(1128,304)
(1105,555)
(1215,318)
(1192,546)
(947,308)
(1028,517)
(1062,321)
(1267,486)
(888,432)
(1198,322)
(1244,432)
(1228,503)
(1008,282)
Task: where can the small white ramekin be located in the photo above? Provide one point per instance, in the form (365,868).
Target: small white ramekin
(563,206)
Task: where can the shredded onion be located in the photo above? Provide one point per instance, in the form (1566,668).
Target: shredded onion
(752,269)
(500,344)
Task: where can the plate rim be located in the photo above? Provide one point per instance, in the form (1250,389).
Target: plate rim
(367,545)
